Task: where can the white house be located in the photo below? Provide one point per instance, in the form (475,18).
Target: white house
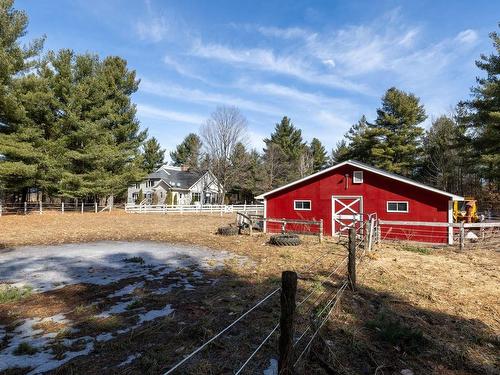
(186,186)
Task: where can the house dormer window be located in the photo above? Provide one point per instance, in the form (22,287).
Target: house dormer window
(357,177)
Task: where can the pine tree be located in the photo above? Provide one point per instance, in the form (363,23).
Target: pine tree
(285,151)
(153,155)
(18,154)
(361,141)
(396,133)
(340,153)
(319,157)
(483,115)
(188,153)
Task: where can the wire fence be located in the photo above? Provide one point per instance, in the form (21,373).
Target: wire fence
(317,303)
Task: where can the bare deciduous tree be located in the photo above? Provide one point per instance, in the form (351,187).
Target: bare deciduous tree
(225,128)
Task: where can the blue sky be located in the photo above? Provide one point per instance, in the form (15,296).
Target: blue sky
(322,63)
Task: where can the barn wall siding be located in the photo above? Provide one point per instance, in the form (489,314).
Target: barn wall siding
(376,190)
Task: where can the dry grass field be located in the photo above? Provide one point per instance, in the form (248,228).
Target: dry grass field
(427,311)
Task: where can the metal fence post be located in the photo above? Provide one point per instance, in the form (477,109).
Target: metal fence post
(288,292)
(462,236)
(321,231)
(352,257)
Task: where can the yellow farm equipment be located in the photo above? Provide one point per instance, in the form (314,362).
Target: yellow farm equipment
(465,211)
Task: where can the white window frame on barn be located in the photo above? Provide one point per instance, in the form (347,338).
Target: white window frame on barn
(357,177)
(397,206)
(302,201)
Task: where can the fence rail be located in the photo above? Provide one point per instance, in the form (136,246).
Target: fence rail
(26,208)
(465,234)
(193,208)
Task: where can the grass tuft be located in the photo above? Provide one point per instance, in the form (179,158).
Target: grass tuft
(398,334)
(25,348)
(12,293)
(135,305)
(416,249)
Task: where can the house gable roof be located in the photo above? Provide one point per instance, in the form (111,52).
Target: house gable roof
(366,167)
(176,178)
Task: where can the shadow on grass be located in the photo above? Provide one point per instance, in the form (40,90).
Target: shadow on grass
(381,333)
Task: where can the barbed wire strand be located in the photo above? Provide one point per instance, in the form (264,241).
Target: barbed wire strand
(200,348)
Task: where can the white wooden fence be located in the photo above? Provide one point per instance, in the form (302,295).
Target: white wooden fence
(181,209)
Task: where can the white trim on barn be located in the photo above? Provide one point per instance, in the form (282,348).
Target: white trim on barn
(368,168)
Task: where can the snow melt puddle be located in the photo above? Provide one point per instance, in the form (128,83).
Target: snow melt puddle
(101,263)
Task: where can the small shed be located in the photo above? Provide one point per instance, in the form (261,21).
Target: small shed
(349,191)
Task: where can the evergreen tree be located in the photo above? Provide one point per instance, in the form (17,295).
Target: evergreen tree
(361,141)
(340,153)
(443,161)
(319,157)
(188,153)
(18,154)
(140,197)
(483,115)
(285,151)
(396,133)
(153,155)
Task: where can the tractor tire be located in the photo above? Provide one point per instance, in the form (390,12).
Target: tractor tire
(228,231)
(285,240)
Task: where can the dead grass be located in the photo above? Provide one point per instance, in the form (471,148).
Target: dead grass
(433,311)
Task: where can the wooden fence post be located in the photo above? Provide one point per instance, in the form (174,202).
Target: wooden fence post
(0,210)
(82,207)
(95,207)
(352,257)
(40,208)
(288,292)
(62,207)
(283,226)
(321,231)
(462,236)
(25,208)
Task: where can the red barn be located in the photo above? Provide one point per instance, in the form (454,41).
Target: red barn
(351,190)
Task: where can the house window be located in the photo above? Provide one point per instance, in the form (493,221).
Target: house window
(196,197)
(302,205)
(395,206)
(357,177)
(149,183)
(137,186)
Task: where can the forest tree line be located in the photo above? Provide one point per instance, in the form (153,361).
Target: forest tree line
(68,129)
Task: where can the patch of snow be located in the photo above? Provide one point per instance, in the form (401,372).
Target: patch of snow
(130,359)
(273,367)
(115,309)
(101,263)
(129,289)
(153,314)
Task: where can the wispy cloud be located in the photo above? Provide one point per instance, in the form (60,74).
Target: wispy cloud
(294,65)
(199,96)
(152,27)
(145,110)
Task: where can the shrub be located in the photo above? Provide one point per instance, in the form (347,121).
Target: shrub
(140,197)
(169,198)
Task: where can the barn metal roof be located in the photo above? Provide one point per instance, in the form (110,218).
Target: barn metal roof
(367,168)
